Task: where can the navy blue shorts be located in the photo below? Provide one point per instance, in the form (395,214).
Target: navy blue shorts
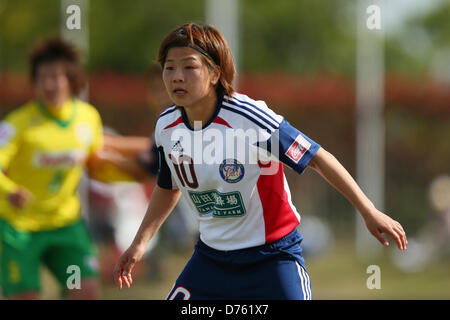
(269,272)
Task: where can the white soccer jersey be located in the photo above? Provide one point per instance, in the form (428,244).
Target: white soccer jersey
(239,200)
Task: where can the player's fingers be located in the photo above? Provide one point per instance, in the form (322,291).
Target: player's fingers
(128,279)
(128,267)
(117,273)
(126,273)
(118,281)
(377,234)
(402,236)
(397,232)
(116,277)
(403,233)
(125,280)
(396,237)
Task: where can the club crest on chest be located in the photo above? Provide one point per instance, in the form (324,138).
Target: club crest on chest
(231,170)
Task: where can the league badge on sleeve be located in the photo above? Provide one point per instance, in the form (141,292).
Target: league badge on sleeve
(84,133)
(7,131)
(298,148)
(231,170)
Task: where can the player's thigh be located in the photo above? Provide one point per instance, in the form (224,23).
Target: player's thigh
(200,279)
(273,279)
(204,278)
(70,256)
(291,281)
(19,262)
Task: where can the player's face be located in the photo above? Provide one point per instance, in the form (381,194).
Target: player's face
(52,85)
(187,78)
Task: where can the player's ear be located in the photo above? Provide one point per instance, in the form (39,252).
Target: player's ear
(215,76)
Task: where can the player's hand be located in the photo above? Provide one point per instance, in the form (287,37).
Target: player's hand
(20,198)
(125,265)
(378,223)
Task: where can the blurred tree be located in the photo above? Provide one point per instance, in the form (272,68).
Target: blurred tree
(423,43)
(298,36)
(125,36)
(21,24)
(437,24)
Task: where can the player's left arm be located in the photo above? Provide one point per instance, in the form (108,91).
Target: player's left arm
(298,151)
(128,146)
(114,158)
(120,168)
(377,222)
(130,154)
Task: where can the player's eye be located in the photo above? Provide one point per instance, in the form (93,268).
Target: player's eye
(169,68)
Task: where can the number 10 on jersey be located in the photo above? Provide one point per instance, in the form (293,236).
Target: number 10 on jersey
(182,164)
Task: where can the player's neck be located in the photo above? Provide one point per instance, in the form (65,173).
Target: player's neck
(61,110)
(202,110)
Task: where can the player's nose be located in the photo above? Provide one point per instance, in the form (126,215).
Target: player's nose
(178,75)
(49,84)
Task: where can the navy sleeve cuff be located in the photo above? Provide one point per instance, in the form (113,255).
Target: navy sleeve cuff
(295,149)
(164,175)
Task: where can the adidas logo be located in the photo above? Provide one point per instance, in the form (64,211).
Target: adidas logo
(177,147)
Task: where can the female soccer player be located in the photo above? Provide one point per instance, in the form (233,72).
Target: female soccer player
(44,147)
(249,247)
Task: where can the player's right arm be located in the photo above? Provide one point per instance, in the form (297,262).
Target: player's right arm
(164,197)
(10,137)
(161,204)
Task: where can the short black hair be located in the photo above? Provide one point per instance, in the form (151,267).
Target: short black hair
(56,49)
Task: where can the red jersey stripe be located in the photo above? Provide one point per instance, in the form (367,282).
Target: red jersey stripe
(219,120)
(175,123)
(279,217)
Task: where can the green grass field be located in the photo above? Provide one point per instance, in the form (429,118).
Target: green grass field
(340,275)
(336,275)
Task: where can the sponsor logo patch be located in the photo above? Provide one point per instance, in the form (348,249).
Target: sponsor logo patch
(298,148)
(58,160)
(218,204)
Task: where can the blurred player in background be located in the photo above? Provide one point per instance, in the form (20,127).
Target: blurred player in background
(44,147)
(139,157)
(249,247)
